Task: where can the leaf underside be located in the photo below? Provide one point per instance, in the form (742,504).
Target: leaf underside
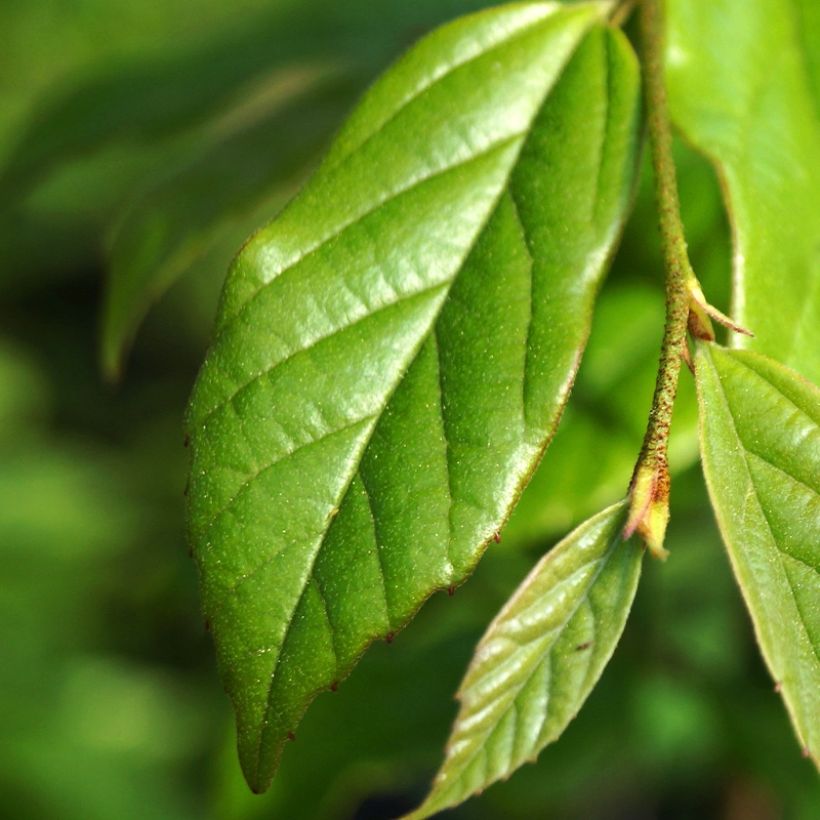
(393,353)
(746,101)
(540,658)
(760,439)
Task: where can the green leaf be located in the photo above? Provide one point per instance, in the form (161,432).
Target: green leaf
(540,658)
(746,101)
(760,439)
(808,26)
(393,353)
(252,159)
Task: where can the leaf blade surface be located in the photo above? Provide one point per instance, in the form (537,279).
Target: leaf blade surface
(746,101)
(540,658)
(393,353)
(760,441)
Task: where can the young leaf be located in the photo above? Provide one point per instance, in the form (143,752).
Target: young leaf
(760,438)
(754,115)
(393,353)
(540,658)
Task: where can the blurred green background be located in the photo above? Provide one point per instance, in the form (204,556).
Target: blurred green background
(140,143)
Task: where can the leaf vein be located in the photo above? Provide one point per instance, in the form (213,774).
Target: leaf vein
(389,197)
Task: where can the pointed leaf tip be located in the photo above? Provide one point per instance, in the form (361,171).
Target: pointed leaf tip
(539,659)
(444,247)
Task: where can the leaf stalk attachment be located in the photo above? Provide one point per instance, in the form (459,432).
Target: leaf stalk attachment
(686,306)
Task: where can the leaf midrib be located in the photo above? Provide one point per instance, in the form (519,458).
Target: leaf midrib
(518,34)
(494,146)
(550,642)
(366,441)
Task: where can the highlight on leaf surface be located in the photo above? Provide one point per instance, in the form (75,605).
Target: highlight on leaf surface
(540,658)
(756,120)
(393,352)
(760,441)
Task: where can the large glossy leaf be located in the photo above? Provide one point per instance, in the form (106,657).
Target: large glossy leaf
(540,658)
(746,100)
(760,438)
(393,353)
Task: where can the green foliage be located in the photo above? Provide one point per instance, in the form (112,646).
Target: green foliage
(140,146)
(540,658)
(441,271)
(761,457)
(755,118)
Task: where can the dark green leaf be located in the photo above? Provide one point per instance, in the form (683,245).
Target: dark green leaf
(393,353)
(540,658)
(251,161)
(760,437)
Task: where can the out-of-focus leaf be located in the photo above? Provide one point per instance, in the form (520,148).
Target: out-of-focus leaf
(761,456)
(252,163)
(23,390)
(134,74)
(48,45)
(393,352)
(540,658)
(745,99)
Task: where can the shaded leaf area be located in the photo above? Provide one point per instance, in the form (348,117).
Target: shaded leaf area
(761,454)
(540,658)
(747,102)
(160,90)
(241,177)
(613,392)
(394,351)
(102,104)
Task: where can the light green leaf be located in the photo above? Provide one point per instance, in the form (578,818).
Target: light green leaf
(540,658)
(808,26)
(393,353)
(740,90)
(760,439)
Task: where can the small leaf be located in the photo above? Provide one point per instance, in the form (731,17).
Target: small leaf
(540,658)
(760,438)
(746,101)
(394,351)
